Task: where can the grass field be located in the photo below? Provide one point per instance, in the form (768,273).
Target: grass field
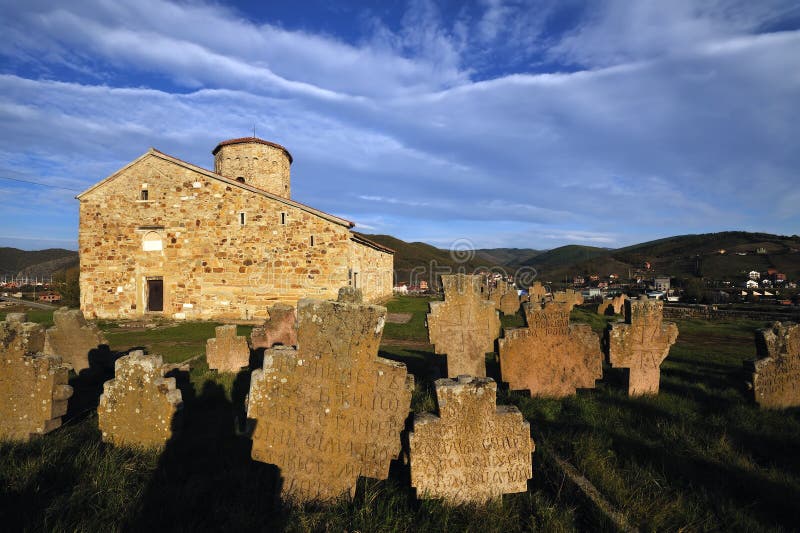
(700,456)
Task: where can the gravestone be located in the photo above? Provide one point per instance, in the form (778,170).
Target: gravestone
(537,292)
(227,352)
(329,410)
(34,393)
(279,328)
(474,451)
(569,296)
(612,306)
(350,295)
(500,289)
(138,407)
(463,326)
(776,372)
(73,338)
(550,357)
(641,343)
(509,302)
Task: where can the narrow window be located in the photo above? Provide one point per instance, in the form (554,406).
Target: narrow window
(312,240)
(283,218)
(143,194)
(241,219)
(240,179)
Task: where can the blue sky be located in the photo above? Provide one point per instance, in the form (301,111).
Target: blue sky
(527,124)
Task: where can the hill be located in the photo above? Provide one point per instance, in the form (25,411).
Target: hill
(14,262)
(507,256)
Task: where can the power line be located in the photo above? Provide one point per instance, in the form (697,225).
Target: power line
(40,184)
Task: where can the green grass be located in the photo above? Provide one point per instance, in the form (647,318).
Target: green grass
(700,456)
(40,316)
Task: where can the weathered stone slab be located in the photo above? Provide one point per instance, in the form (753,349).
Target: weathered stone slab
(641,343)
(509,302)
(612,306)
(550,357)
(350,295)
(463,326)
(537,292)
(776,372)
(329,410)
(474,451)
(73,338)
(500,289)
(34,393)
(569,296)
(138,406)
(279,328)
(227,352)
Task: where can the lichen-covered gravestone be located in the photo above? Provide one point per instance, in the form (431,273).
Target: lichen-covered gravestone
(641,343)
(73,338)
(568,296)
(463,326)
(350,295)
(280,328)
(227,352)
(537,292)
(34,393)
(474,451)
(550,357)
(138,406)
(612,306)
(776,372)
(329,410)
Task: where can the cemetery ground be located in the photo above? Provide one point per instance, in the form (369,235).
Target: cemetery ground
(699,456)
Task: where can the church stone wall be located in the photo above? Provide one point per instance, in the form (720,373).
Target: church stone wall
(211,265)
(373,271)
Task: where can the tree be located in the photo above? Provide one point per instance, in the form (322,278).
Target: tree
(67,284)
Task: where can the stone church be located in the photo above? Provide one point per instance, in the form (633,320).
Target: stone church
(162,236)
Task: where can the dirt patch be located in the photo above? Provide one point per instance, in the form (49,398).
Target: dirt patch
(398,318)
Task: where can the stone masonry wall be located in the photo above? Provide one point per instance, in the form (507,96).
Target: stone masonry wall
(375,271)
(261,165)
(212,266)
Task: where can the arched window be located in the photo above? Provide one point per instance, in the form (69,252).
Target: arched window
(152,242)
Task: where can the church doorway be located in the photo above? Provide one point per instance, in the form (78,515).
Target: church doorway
(155,295)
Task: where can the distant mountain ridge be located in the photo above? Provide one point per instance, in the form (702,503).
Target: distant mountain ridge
(38,263)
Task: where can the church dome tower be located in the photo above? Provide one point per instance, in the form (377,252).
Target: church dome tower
(256,162)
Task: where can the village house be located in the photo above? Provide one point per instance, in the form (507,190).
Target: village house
(167,237)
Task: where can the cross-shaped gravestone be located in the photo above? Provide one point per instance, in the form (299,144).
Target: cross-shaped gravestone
(473,451)
(641,343)
(329,410)
(537,292)
(569,296)
(73,338)
(463,326)
(550,357)
(776,372)
(227,352)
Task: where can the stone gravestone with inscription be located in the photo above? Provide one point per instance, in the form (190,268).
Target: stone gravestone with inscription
(330,410)
(463,326)
(474,451)
(138,406)
(550,357)
(641,343)
(776,372)
(34,393)
(279,328)
(505,298)
(72,338)
(227,352)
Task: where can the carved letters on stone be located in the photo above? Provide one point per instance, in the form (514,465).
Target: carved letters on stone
(463,326)
(776,372)
(329,410)
(550,357)
(474,451)
(641,343)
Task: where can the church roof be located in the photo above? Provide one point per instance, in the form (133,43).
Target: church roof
(244,140)
(228,181)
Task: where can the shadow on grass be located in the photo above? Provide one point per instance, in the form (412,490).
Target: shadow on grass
(205,479)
